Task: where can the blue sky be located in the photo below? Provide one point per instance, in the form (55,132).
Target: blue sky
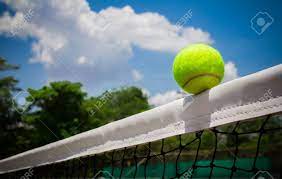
(134,49)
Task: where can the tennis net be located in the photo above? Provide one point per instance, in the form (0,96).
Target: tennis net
(230,131)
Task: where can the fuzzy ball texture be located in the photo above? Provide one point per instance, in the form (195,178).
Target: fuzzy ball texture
(197,68)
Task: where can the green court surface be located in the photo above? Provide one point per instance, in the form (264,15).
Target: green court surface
(156,170)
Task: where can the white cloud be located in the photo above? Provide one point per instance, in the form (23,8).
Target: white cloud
(231,71)
(145,92)
(81,60)
(166,97)
(63,31)
(137,76)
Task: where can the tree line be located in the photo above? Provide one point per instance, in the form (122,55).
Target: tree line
(57,111)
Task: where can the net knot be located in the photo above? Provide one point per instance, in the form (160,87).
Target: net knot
(212,164)
(262,130)
(255,169)
(214,130)
(234,168)
(199,134)
(234,132)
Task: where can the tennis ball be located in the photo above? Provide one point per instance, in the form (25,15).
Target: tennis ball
(198,67)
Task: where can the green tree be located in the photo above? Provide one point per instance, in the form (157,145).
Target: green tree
(7,87)
(10,120)
(117,104)
(56,111)
(62,109)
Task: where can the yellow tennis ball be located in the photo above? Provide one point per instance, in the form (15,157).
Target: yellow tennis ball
(198,67)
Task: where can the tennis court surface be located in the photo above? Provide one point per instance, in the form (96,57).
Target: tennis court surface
(230,131)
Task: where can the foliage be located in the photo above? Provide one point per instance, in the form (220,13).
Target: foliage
(117,104)
(10,121)
(63,109)
(57,111)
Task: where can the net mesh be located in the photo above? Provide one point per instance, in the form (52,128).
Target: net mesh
(244,149)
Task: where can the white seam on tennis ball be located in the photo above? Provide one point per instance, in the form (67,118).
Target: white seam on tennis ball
(203,74)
